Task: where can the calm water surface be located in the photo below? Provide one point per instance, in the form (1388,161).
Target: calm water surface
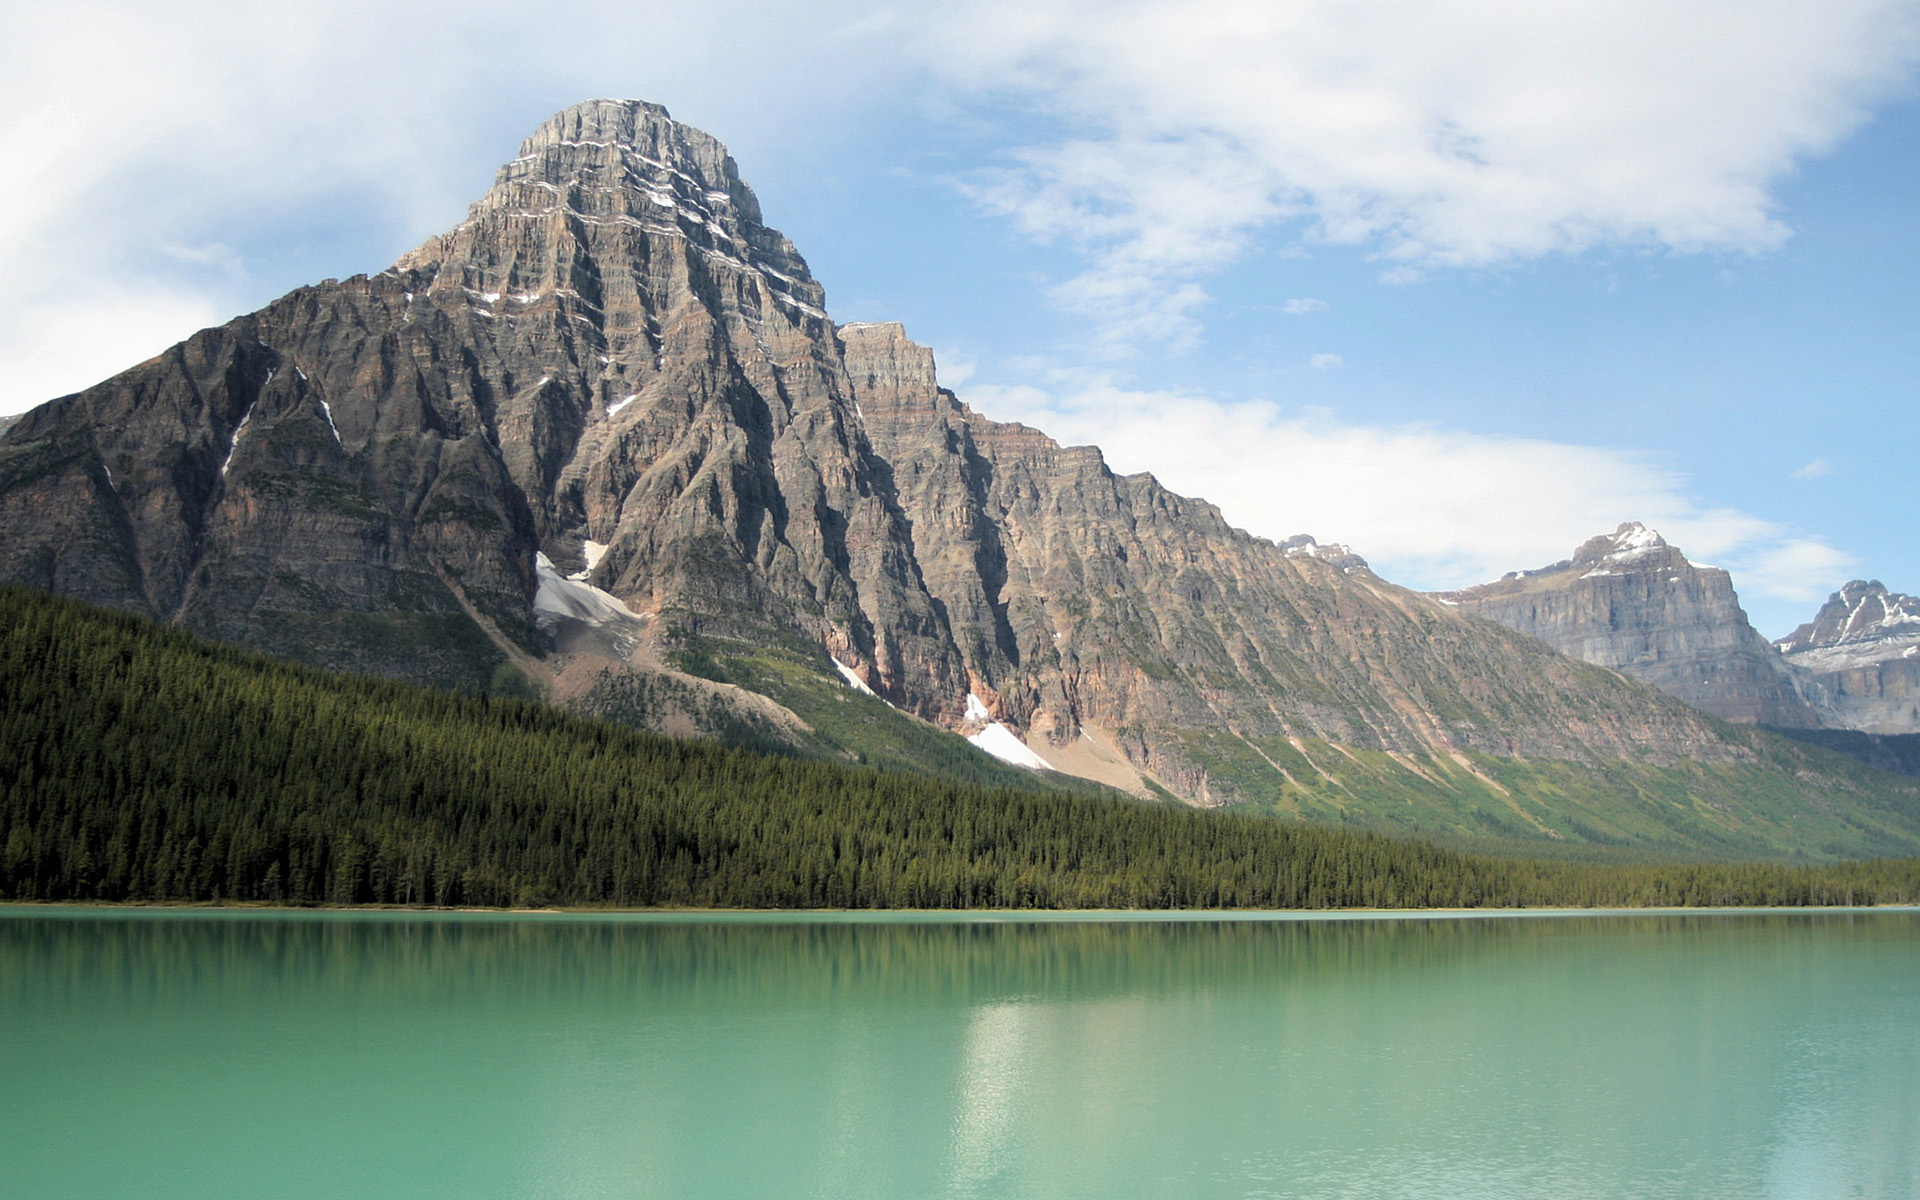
(203,1054)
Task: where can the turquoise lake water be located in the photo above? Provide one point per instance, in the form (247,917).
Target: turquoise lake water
(207,1054)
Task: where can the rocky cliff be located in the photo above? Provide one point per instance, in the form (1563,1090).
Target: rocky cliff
(1864,649)
(1093,606)
(1632,603)
(603,437)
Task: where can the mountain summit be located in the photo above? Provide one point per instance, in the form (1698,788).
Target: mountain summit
(1864,648)
(1632,602)
(603,439)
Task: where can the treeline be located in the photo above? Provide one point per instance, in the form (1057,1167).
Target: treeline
(140,764)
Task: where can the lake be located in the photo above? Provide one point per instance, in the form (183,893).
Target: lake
(161,1054)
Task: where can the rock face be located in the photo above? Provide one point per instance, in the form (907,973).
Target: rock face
(611,347)
(1093,606)
(1632,603)
(603,433)
(1864,649)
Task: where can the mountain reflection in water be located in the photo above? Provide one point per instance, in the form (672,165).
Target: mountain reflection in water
(206,1053)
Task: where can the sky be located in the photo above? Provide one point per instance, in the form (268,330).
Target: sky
(1458,284)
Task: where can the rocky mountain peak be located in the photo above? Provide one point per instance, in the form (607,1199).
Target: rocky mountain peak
(1631,545)
(1864,648)
(588,191)
(1631,601)
(1861,614)
(1334,554)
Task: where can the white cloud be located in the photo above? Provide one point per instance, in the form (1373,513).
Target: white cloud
(77,340)
(1472,133)
(1326,362)
(140,137)
(1802,569)
(1814,470)
(1302,306)
(1431,508)
(1181,132)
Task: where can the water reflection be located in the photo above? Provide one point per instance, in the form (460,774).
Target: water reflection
(992,1094)
(1654,1056)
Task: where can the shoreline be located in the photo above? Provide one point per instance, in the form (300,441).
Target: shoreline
(931,916)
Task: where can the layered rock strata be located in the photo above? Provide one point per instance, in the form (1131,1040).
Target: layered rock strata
(1087,604)
(1632,603)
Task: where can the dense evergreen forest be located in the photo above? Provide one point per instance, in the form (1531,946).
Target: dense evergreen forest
(138,763)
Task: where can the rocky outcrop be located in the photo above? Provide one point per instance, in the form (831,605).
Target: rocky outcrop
(603,434)
(1089,605)
(1864,650)
(1630,602)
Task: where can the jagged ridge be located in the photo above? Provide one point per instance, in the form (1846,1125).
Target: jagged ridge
(614,363)
(1863,647)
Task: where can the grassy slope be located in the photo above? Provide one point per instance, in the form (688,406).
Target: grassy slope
(1791,800)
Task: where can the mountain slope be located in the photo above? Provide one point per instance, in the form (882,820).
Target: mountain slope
(1863,648)
(123,781)
(601,441)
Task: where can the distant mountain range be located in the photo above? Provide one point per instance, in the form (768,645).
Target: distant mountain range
(1631,602)
(1864,649)
(601,442)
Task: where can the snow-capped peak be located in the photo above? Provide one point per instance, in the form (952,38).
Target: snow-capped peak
(1634,539)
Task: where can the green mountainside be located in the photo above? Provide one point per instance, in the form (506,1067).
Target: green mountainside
(140,763)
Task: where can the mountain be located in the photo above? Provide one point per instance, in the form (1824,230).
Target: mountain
(1630,602)
(124,783)
(1864,648)
(602,443)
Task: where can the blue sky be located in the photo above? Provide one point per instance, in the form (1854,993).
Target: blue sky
(1458,284)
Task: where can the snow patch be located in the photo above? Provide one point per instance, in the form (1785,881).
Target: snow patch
(621,403)
(594,552)
(566,598)
(977,711)
(234,445)
(1636,541)
(1005,745)
(853,679)
(326,410)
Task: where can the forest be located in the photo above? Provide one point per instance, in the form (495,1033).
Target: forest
(141,764)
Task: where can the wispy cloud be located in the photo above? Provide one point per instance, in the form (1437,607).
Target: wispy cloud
(1302,306)
(1474,133)
(1432,508)
(1814,470)
(1326,362)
